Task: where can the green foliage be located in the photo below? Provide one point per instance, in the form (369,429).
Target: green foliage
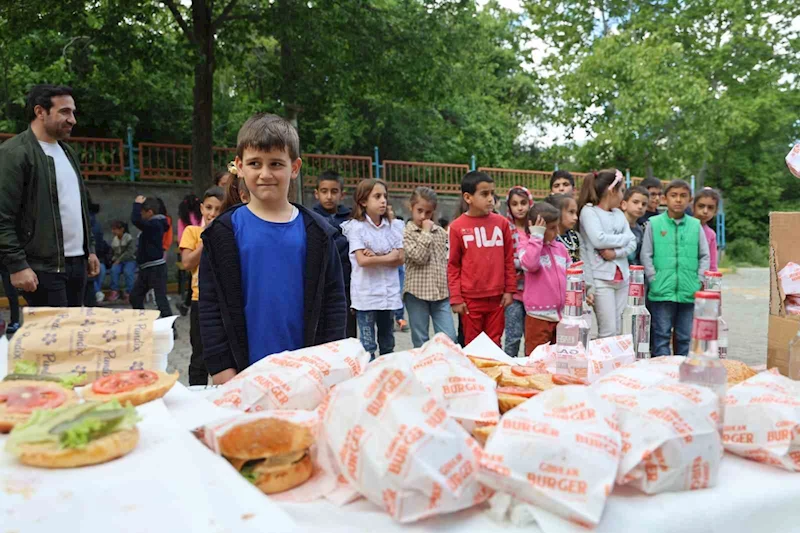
(747,252)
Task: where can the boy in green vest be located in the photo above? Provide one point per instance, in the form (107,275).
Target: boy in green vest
(675,255)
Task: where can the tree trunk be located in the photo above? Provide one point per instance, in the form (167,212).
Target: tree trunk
(202,113)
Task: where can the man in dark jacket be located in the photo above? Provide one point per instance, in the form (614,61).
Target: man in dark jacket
(223,327)
(329,193)
(150,255)
(45,241)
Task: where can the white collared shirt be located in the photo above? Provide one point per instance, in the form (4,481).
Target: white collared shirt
(374,288)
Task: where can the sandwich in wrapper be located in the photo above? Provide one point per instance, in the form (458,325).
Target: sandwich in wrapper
(75,435)
(272,454)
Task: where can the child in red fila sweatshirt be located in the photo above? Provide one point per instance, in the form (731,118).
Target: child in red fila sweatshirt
(480,271)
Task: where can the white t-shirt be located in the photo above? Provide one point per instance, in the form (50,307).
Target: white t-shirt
(374,288)
(69,200)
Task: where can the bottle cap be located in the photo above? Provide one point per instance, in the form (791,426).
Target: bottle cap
(574,271)
(707,295)
(577,264)
(636,268)
(712,274)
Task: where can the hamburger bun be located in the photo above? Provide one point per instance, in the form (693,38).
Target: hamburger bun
(137,396)
(265,437)
(272,479)
(526,378)
(10,417)
(737,371)
(49,455)
(507,402)
(493,372)
(482,362)
(272,451)
(482,434)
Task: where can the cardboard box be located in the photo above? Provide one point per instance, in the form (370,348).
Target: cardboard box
(784,246)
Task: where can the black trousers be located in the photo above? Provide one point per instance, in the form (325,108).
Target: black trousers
(60,289)
(198,373)
(154,277)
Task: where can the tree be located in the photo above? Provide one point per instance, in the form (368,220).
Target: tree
(681,88)
(201,33)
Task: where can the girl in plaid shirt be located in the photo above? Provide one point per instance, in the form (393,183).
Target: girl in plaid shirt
(425,292)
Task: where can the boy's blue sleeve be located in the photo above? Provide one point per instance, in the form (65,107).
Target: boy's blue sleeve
(333,318)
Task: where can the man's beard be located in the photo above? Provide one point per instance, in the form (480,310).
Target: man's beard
(58,132)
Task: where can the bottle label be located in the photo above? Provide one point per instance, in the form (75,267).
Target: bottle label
(574,299)
(704,329)
(636,290)
(643,347)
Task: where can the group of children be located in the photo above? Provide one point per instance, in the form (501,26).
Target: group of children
(276,276)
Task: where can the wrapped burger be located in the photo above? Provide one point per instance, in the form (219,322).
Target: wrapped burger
(560,450)
(762,420)
(467,393)
(293,380)
(396,445)
(669,434)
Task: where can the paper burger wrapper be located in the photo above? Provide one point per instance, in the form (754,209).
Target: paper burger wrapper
(560,451)
(86,340)
(293,380)
(762,420)
(396,445)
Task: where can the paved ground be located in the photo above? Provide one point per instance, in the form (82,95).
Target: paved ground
(745,307)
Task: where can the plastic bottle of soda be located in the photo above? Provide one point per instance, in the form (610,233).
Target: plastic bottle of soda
(636,317)
(703,366)
(587,310)
(571,333)
(713,282)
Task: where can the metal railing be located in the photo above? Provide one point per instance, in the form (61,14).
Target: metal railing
(97,156)
(405,176)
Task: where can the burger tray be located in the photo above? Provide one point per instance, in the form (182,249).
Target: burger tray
(169,482)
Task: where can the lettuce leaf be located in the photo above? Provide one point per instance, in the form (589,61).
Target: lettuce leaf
(26,367)
(70,381)
(248,473)
(74,426)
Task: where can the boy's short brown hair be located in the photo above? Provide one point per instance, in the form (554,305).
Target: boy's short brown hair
(266,132)
(678,184)
(635,190)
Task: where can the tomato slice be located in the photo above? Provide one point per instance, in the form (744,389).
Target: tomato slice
(124,381)
(29,397)
(524,371)
(519,391)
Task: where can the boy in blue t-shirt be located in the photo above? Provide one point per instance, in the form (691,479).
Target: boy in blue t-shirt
(270,275)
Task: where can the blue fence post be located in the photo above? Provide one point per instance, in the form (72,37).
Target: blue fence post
(628,178)
(721,226)
(556,165)
(131,159)
(472,162)
(377,164)
(692,184)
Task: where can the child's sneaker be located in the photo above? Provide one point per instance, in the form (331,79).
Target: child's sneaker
(12,328)
(402,325)
(99,296)
(113,296)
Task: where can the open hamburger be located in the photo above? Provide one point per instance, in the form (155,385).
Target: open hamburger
(272,454)
(131,386)
(75,435)
(20,398)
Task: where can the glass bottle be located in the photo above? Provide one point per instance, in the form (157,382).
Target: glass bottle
(636,317)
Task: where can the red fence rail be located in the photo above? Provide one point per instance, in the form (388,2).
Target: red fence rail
(405,176)
(96,156)
(353,168)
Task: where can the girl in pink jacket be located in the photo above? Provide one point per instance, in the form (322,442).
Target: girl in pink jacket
(545,261)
